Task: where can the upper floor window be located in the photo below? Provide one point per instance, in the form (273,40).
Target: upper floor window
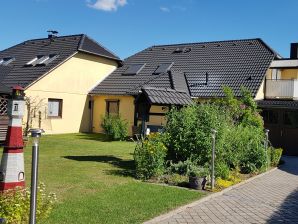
(6,61)
(42,60)
(276,74)
(55,107)
(112,107)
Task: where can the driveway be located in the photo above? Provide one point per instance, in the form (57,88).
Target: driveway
(272,198)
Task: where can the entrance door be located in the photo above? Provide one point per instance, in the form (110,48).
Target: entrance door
(283,126)
(289,132)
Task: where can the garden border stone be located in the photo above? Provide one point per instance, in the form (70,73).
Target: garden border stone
(206,198)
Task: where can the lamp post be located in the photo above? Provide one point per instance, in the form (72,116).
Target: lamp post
(35,134)
(266,146)
(213,134)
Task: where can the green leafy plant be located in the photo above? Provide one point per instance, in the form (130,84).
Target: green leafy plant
(275,155)
(115,127)
(15,205)
(222,170)
(149,156)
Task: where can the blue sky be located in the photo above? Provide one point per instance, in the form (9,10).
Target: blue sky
(128,26)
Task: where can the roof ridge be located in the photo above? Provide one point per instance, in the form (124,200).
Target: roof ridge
(86,36)
(207,42)
(57,37)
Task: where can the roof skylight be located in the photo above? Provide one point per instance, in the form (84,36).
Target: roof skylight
(134,69)
(6,61)
(42,60)
(163,68)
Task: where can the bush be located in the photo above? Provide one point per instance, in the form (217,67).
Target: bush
(189,131)
(275,155)
(115,127)
(149,156)
(15,205)
(222,170)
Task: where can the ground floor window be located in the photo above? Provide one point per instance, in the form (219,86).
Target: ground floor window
(270,116)
(55,107)
(112,107)
(291,118)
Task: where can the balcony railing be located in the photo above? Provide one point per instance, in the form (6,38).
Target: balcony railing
(281,88)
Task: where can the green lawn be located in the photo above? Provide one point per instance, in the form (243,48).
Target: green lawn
(94,182)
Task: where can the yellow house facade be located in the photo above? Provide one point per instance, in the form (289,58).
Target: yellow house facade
(57,74)
(69,83)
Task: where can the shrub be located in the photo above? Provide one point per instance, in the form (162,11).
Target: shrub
(15,205)
(222,170)
(149,156)
(189,131)
(275,155)
(239,139)
(115,127)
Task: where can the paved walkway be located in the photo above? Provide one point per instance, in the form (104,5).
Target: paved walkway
(272,198)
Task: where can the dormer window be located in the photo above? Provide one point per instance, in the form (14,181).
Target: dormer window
(163,68)
(42,60)
(134,69)
(6,61)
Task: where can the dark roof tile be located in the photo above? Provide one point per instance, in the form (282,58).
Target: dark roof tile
(65,46)
(228,63)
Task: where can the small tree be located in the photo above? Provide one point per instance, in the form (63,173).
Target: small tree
(33,106)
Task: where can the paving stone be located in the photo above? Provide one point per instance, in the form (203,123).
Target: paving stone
(272,198)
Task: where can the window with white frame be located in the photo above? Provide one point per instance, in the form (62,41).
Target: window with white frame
(276,74)
(55,107)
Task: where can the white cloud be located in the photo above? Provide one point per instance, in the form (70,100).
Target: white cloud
(164,9)
(107,5)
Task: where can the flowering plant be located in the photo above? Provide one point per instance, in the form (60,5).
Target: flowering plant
(150,156)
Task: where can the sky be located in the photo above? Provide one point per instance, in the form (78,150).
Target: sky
(128,26)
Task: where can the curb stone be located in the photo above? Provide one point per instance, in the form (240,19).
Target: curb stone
(208,197)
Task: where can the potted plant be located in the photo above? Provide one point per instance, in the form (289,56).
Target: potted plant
(197,178)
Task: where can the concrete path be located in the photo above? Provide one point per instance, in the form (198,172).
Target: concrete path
(272,198)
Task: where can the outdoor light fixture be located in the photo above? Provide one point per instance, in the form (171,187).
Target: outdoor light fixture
(213,134)
(35,134)
(266,146)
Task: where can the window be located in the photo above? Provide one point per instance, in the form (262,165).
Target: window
(6,61)
(112,107)
(55,107)
(276,74)
(163,68)
(134,69)
(42,60)
(291,118)
(270,116)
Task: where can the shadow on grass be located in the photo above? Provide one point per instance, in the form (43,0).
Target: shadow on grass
(126,167)
(95,137)
(100,137)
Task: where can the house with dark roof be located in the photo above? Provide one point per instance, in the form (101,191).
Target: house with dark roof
(146,84)
(280,103)
(57,74)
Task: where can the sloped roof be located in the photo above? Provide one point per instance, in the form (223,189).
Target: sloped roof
(163,96)
(64,46)
(232,63)
(282,104)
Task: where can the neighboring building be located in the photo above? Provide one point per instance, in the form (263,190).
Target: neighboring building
(57,73)
(149,82)
(280,104)
(199,70)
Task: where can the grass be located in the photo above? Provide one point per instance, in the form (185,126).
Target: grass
(94,181)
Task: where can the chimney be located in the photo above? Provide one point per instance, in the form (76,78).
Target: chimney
(294,51)
(52,34)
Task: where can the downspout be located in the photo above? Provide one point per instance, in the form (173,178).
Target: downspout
(91,113)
